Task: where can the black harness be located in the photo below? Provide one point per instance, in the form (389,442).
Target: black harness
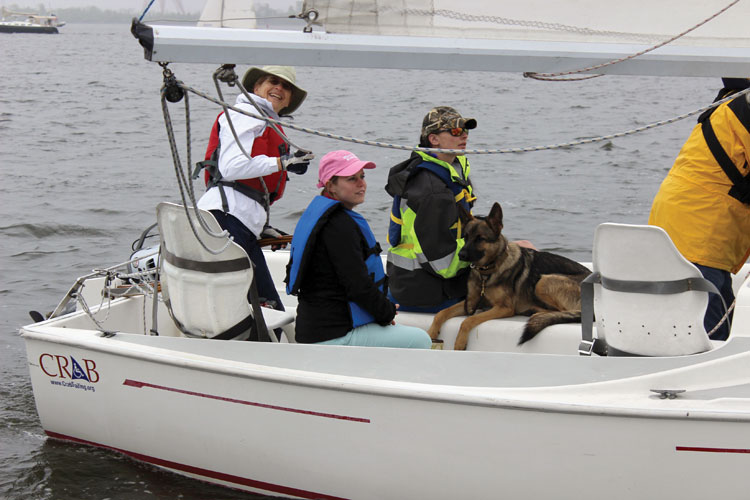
(215,179)
(741,184)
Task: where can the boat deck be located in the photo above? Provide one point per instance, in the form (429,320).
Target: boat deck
(449,368)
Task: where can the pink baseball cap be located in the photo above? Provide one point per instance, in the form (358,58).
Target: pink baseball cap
(341,162)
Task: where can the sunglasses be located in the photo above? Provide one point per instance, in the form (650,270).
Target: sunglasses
(273,80)
(456,131)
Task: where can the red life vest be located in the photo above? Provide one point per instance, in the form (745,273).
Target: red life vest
(269,144)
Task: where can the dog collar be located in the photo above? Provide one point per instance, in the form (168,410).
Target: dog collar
(481,269)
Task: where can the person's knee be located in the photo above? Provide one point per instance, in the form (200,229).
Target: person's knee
(418,338)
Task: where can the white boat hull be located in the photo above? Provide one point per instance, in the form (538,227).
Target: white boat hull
(388,423)
(310,421)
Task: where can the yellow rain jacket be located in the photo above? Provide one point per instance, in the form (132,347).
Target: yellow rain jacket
(708,225)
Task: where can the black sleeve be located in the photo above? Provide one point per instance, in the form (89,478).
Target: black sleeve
(344,243)
(436,214)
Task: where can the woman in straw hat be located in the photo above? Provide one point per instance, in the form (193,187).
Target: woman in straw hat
(336,270)
(240,188)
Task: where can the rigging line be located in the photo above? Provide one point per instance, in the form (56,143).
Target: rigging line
(452,14)
(529,149)
(85,307)
(179,174)
(723,318)
(542,76)
(185,179)
(146,10)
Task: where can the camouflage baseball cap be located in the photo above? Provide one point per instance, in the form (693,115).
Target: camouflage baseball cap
(444,118)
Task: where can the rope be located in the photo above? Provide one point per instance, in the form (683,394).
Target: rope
(110,274)
(452,14)
(554,76)
(727,313)
(527,149)
(184,182)
(85,306)
(723,319)
(146,10)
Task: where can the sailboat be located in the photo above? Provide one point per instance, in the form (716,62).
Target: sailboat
(24,22)
(553,418)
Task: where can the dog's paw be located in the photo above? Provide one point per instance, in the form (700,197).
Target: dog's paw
(433,332)
(460,344)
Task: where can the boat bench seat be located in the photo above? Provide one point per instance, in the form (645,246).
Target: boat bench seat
(501,335)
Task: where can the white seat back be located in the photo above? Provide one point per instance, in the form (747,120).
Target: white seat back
(646,324)
(207,293)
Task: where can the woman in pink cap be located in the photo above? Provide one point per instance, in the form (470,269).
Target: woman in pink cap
(335,267)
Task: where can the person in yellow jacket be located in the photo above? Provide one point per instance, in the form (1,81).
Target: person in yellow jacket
(704,202)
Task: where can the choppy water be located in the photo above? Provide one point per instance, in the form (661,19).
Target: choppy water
(85,160)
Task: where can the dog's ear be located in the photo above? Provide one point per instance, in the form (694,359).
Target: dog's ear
(495,219)
(464,215)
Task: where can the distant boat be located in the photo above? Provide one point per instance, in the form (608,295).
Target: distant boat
(24,22)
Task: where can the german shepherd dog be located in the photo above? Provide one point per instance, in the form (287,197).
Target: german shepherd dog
(506,279)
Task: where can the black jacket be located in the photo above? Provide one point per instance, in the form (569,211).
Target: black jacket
(436,212)
(338,275)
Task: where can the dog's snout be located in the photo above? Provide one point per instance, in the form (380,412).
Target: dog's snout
(464,254)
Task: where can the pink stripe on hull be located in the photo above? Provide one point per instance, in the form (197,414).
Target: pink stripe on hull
(712,450)
(229,478)
(139,385)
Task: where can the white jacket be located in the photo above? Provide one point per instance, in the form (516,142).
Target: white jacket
(234,165)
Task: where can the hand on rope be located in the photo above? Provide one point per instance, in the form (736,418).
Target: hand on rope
(298,162)
(277,238)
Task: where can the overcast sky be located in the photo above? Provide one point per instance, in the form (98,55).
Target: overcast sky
(169,5)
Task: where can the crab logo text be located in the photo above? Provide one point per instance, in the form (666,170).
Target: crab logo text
(57,366)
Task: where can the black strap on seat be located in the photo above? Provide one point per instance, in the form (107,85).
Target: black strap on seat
(232,332)
(260,332)
(224,266)
(588,343)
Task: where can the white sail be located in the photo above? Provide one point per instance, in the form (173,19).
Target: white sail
(631,21)
(228,14)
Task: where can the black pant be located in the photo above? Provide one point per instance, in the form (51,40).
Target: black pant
(715,311)
(247,240)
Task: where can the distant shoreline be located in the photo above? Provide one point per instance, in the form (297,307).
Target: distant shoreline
(94,15)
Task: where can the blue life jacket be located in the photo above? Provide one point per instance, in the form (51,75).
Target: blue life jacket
(308,227)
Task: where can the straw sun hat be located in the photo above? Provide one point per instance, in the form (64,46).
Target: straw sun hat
(286,73)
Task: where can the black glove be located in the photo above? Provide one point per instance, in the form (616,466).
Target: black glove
(272,232)
(298,162)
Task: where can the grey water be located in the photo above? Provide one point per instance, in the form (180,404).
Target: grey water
(84,159)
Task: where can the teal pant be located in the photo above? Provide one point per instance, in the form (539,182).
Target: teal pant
(374,335)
